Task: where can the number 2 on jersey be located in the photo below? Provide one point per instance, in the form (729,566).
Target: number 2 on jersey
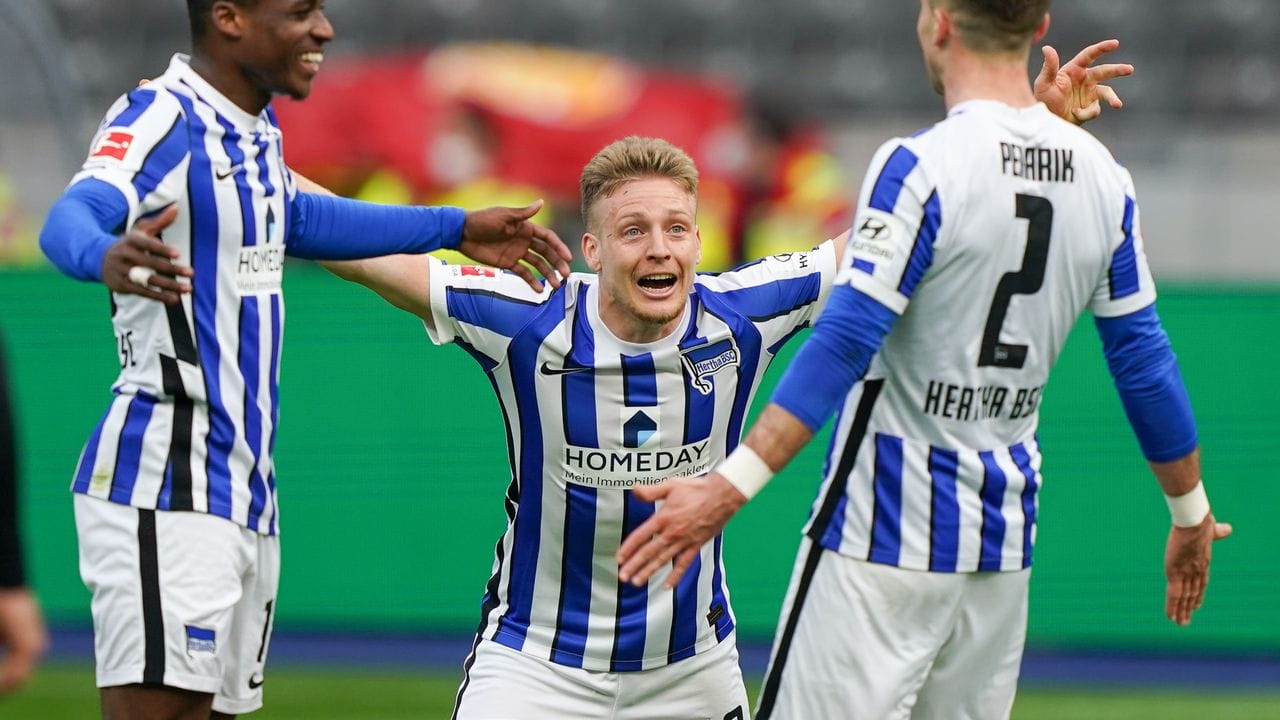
(1038,212)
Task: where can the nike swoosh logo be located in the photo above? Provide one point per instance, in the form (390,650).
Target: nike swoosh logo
(255,683)
(229,172)
(546,369)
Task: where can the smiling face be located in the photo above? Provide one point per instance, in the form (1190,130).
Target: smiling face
(283,45)
(642,241)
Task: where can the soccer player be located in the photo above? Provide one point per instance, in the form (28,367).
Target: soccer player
(977,244)
(175,492)
(614,380)
(22,634)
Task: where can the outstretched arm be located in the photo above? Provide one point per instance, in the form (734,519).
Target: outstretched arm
(1075,91)
(1155,400)
(501,237)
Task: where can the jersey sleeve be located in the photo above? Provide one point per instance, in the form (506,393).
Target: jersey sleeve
(140,149)
(782,292)
(1126,286)
(480,307)
(892,240)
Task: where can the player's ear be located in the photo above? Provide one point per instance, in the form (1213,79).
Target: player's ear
(591,251)
(227,18)
(1042,30)
(942,27)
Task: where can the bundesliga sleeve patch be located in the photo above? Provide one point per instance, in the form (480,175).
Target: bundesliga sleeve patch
(114,144)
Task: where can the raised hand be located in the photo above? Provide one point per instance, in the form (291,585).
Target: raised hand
(1186,566)
(1075,91)
(503,237)
(139,263)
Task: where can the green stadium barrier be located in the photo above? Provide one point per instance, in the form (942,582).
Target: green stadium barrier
(392,466)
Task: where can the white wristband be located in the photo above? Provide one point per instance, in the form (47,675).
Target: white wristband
(1190,509)
(745,471)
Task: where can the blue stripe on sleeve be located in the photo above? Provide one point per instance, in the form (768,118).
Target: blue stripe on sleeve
(501,314)
(1123,275)
(323,227)
(139,100)
(886,526)
(884,195)
(162,159)
(1146,375)
(835,356)
(922,251)
(944,522)
(775,299)
(81,225)
(129,455)
(992,494)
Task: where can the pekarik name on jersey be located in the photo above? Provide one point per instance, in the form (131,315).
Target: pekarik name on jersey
(985,402)
(1038,163)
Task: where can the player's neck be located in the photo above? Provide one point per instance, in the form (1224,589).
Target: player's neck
(976,76)
(226,77)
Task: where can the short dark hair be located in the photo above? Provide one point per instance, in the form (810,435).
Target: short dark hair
(996,25)
(198,15)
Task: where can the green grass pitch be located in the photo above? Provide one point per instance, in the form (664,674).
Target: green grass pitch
(65,691)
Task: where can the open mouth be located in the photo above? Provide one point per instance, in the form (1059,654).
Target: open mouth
(312,61)
(658,282)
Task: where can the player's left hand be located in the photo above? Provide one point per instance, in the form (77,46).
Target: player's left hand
(1075,91)
(503,237)
(1186,566)
(696,509)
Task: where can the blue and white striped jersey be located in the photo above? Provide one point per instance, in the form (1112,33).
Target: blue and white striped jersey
(192,423)
(989,234)
(589,415)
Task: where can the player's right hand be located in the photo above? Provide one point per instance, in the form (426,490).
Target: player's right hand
(1186,566)
(507,238)
(1075,91)
(141,247)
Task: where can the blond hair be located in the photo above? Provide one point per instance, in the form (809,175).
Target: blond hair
(995,26)
(633,158)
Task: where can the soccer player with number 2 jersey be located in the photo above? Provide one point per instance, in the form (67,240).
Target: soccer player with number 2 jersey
(977,244)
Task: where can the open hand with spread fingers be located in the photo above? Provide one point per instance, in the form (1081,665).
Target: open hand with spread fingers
(507,238)
(694,510)
(1075,91)
(140,263)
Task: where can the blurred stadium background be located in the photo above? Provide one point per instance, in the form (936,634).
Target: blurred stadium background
(392,451)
